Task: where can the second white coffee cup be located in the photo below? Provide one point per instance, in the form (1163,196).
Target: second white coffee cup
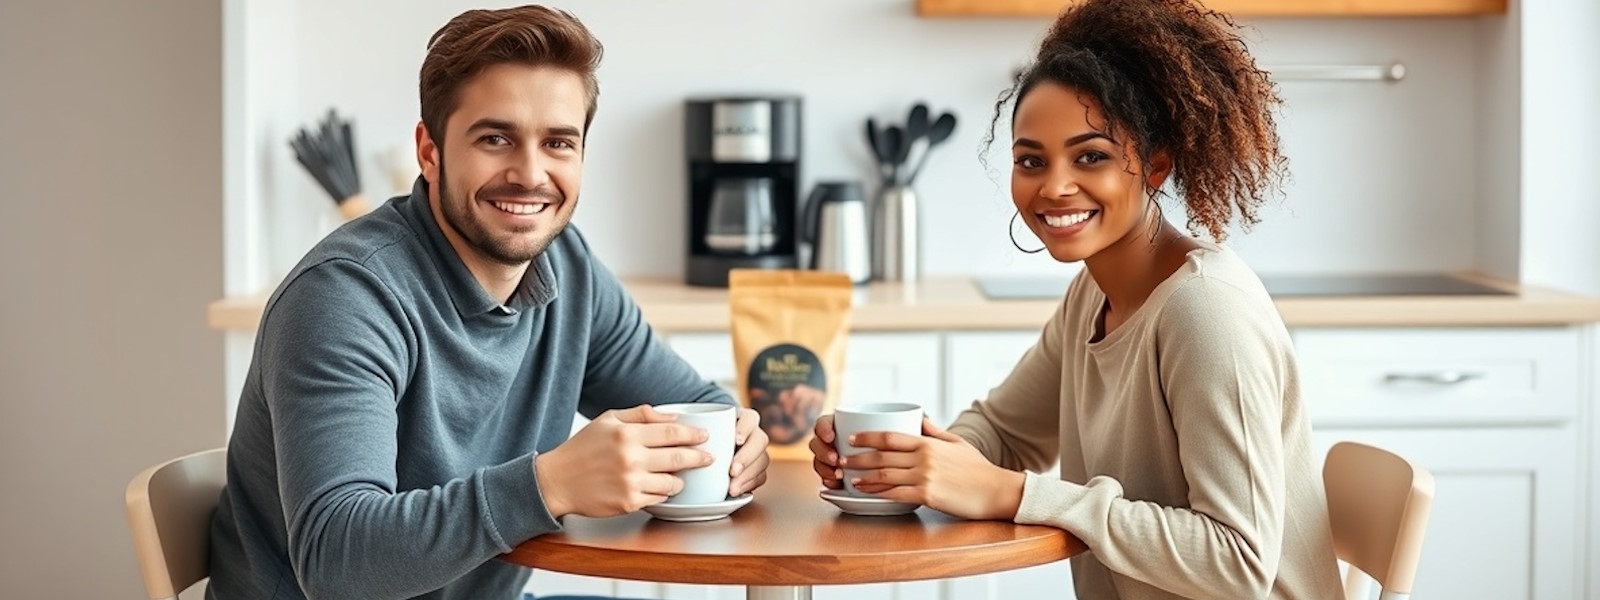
(898,417)
(705,485)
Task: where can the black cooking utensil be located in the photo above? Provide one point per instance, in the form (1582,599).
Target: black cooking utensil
(875,143)
(328,153)
(893,151)
(937,134)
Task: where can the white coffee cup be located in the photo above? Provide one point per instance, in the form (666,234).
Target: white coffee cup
(898,417)
(705,485)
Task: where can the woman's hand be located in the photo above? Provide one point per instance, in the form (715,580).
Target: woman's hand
(824,459)
(937,469)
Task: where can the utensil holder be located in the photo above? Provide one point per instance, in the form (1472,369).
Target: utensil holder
(896,239)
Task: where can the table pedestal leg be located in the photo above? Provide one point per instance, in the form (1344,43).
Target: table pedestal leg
(778,592)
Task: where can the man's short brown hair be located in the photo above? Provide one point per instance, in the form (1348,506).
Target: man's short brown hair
(478,39)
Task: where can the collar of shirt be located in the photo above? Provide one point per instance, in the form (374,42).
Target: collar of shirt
(537,288)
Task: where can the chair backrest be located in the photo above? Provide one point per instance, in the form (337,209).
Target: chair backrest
(1378,504)
(169,512)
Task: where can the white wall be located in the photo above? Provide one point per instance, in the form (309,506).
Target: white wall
(1560,144)
(1560,98)
(1498,170)
(259,65)
(1388,163)
(110,247)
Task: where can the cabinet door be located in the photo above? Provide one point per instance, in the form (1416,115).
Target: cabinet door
(1503,512)
(893,367)
(977,362)
(974,364)
(711,355)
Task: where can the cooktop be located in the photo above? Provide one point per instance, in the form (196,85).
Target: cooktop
(1041,287)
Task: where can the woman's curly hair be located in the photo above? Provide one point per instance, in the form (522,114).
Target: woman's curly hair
(1173,76)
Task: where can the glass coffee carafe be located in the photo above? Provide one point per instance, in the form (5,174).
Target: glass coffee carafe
(741,219)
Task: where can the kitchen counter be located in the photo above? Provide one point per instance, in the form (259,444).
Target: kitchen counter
(955,303)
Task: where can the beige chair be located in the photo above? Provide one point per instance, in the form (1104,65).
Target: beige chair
(169,511)
(1378,503)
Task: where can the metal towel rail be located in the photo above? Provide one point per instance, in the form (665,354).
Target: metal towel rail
(1394,71)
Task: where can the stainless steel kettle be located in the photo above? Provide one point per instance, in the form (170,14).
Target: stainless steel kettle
(836,227)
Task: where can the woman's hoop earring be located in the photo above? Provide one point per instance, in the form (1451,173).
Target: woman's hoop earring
(1155,223)
(1011,228)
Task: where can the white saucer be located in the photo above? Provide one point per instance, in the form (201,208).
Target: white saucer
(688,513)
(869,507)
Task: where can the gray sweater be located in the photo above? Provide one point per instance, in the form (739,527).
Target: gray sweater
(384,442)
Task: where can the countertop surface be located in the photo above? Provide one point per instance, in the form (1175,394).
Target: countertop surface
(957,303)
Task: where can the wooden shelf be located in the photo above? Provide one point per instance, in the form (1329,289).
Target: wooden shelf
(1242,8)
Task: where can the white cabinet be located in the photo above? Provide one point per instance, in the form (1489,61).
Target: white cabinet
(1493,414)
(894,367)
(1440,377)
(1503,513)
(975,363)
(711,355)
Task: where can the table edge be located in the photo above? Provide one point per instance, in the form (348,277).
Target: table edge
(791,569)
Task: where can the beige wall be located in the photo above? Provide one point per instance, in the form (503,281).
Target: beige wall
(110,246)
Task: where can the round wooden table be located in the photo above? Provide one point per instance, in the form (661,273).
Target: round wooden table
(788,540)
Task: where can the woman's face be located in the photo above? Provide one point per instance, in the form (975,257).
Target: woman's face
(1079,190)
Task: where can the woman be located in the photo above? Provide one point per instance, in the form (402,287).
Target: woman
(1165,384)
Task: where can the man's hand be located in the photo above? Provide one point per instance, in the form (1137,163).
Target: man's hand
(749,470)
(621,462)
(937,469)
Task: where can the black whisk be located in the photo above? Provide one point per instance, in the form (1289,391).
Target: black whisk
(329,155)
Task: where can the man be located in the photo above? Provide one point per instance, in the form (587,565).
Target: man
(406,412)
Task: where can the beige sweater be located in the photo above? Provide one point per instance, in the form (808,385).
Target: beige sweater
(1185,454)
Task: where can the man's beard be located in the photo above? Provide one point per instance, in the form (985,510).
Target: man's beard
(514,249)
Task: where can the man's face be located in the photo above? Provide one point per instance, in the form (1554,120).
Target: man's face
(515,161)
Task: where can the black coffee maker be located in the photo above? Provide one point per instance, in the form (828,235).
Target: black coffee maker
(744,168)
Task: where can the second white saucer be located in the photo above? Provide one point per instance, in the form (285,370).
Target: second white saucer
(685,513)
(866,506)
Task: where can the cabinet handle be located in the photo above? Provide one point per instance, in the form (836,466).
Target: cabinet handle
(1434,378)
